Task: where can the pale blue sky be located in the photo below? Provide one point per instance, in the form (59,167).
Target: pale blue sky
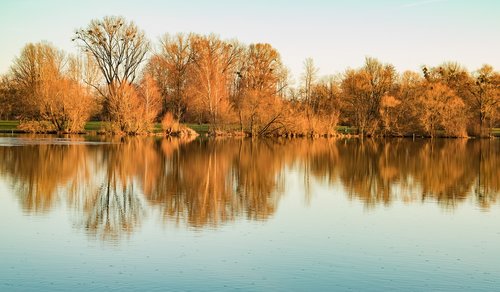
(337,34)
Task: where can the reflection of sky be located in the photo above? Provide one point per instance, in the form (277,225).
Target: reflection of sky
(337,34)
(328,242)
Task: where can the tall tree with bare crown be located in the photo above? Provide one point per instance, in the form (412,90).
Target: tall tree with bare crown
(119,48)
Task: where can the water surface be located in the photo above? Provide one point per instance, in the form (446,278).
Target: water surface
(80,213)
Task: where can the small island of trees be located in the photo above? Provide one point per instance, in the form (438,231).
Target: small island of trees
(123,80)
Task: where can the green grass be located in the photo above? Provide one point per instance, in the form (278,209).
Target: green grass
(199,128)
(346,129)
(98,125)
(157,128)
(94,126)
(8,125)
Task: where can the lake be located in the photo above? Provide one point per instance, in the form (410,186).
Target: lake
(93,213)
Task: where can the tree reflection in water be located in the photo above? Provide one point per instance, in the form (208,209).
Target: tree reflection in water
(212,181)
(207,182)
(40,174)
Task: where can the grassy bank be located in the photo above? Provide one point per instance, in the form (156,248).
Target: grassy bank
(95,126)
(8,125)
(199,128)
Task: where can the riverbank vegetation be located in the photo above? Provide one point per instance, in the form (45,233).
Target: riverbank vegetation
(130,84)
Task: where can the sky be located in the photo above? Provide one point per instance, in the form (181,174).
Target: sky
(336,34)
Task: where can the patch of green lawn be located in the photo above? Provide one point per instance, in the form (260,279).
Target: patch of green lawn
(8,125)
(94,126)
(346,130)
(199,128)
(99,125)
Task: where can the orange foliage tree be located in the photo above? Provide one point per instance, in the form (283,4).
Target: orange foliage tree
(214,62)
(50,89)
(363,90)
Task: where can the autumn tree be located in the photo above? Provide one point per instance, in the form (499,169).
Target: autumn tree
(150,98)
(485,97)
(9,98)
(75,102)
(400,112)
(213,69)
(363,90)
(119,48)
(26,73)
(137,108)
(457,79)
(442,109)
(324,105)
(170,68)
(259,84)
(50,90)
(454,75)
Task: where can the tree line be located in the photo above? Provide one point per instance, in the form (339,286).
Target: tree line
(121,78)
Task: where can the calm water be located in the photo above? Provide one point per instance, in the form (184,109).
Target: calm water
(152,214)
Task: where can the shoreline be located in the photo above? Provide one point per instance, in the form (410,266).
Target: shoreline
(95,128)
(241,135)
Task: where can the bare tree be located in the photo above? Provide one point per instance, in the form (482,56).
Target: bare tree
(259,81)
(308,78)
(119,48)
(170,67)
